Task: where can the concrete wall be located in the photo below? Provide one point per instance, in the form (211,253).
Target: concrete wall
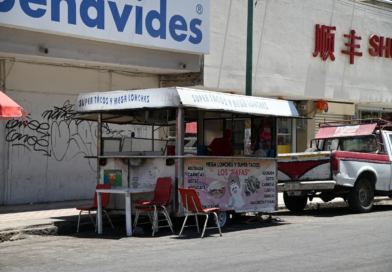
(304,136)
(24,44)
(284,41)
(46,159)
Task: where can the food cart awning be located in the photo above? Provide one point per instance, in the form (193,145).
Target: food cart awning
(109,103)
(345,131)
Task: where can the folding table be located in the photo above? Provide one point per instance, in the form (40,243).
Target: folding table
(128,209)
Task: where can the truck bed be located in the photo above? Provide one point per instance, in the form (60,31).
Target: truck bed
(305,166)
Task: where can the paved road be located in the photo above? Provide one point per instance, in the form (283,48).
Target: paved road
(328,239)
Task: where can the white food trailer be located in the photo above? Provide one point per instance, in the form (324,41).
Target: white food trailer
(243,182)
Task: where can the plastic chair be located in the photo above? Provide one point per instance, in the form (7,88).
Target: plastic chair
(192,204)
(160,202)
(105,197)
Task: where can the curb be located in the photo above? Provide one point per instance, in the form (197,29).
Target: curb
(20,234)
(52,229)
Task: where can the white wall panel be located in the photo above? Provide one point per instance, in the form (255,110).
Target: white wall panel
(47,158)
(286,66)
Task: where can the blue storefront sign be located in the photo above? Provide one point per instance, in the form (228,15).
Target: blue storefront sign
(165,24)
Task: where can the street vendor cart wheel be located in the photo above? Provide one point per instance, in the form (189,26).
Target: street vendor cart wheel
(295,203)
(223,218)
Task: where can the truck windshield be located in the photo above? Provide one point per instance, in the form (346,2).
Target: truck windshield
(366,144)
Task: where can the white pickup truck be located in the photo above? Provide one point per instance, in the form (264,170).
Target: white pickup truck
(348,159)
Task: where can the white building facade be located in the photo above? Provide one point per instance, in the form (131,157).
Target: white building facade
(50,51)
(285,63)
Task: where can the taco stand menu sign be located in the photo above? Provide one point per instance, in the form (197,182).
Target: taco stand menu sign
(240,185)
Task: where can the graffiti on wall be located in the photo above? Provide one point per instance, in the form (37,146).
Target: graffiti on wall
(57,135)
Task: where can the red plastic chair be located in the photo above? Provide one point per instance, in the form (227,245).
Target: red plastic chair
(160,202)
(192,204)
(161,192)
(105,198)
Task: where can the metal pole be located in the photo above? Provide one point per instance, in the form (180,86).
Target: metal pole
(99,146)
(152,137)
(294,136)
(200,128)
(2,75)
(233,138)
(249,49)
(99,213)
(276,163)
(4,149)
(179,152)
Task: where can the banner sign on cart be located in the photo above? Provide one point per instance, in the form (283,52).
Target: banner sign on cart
(342,131)
(133,99)
(169,24)
(183,97)
(236,103)
(240,185)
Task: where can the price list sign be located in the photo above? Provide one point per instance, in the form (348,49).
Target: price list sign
(240,185)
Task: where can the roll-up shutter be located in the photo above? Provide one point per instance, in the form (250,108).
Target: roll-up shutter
(321,118)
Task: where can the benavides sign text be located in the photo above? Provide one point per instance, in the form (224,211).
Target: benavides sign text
(181,25)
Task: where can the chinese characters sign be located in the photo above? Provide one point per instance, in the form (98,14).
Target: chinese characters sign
(352,46)
(325,44)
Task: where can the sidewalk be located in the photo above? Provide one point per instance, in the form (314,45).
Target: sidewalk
(24,216)
(44,216)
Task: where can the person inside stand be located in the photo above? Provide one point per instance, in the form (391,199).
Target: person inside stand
(221,146)
(263,143)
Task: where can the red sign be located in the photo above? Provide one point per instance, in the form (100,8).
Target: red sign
(352,46)
(378,47)
(325,44)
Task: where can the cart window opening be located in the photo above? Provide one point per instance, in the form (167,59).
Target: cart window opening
(242,136)
(111,145)
(285,132)
(263,137)
(190,138)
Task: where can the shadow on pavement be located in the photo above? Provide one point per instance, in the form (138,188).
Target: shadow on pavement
(335,209)
(237,224)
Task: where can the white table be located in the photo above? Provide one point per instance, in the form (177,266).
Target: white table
(128,209)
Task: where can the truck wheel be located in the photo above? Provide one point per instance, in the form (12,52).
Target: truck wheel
(295,203)
(223,218)
(361,196)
